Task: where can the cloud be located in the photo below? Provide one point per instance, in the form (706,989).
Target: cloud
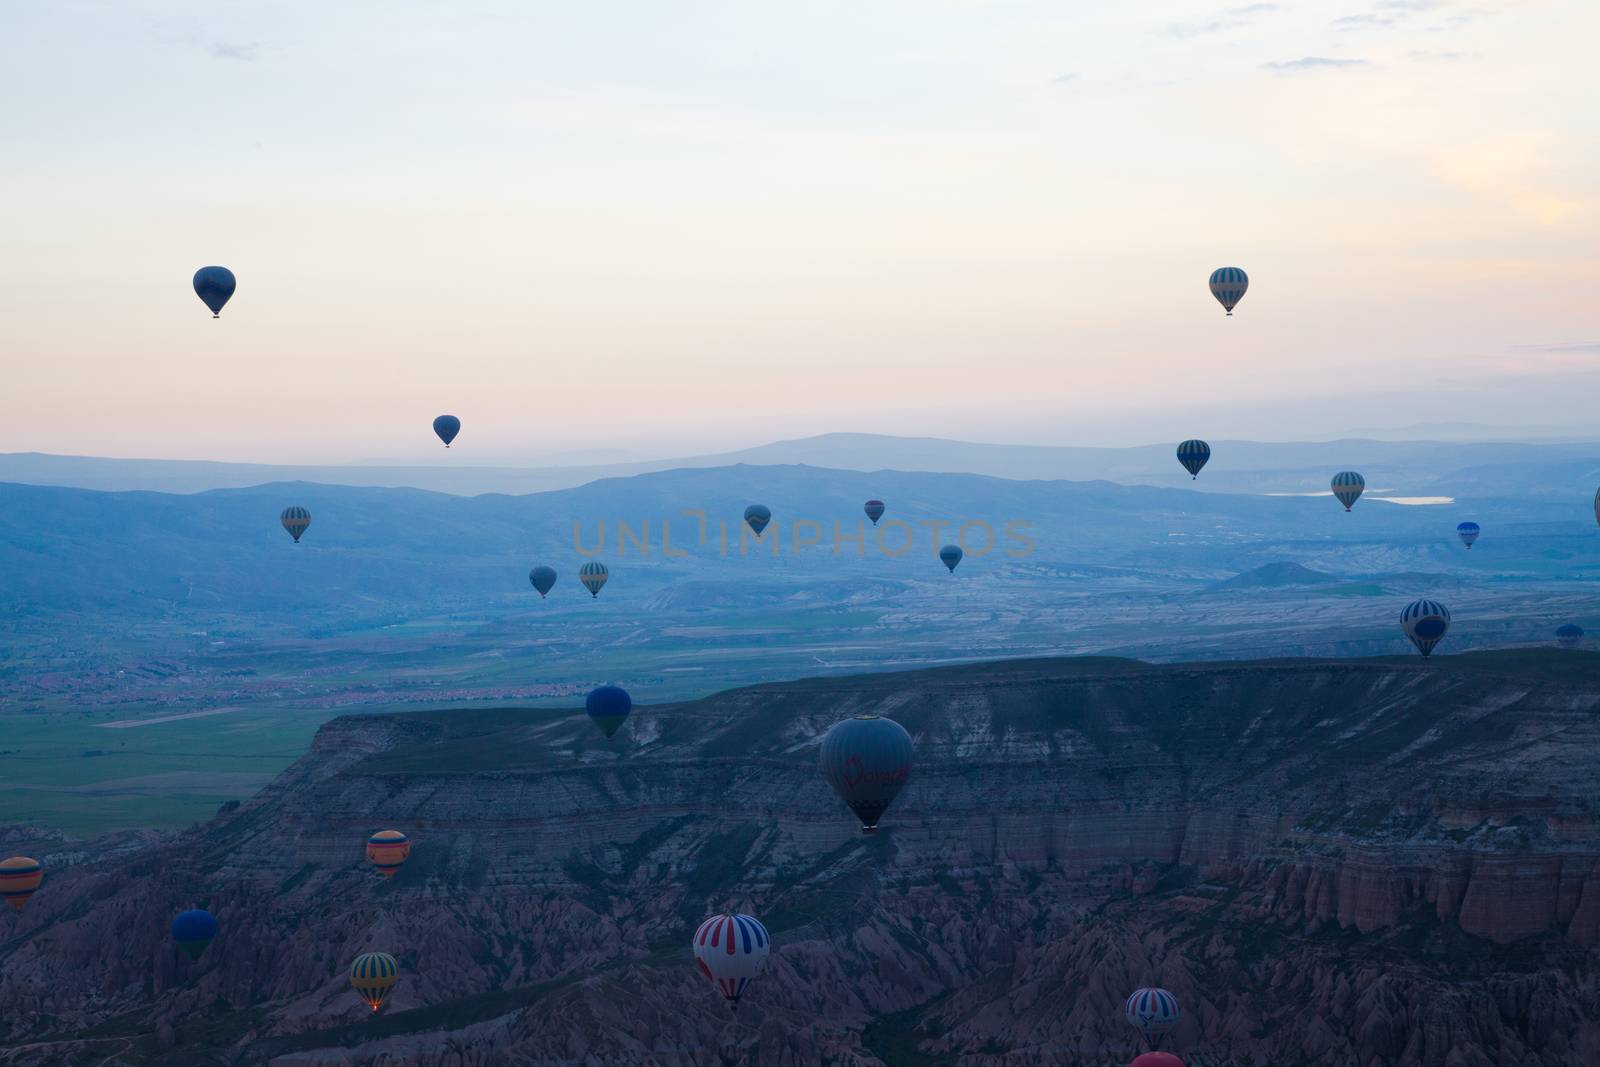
(1313,63)
(1591,348)
(1065,78)
(1228,19)
(1442,57)
(245,53)
(1363,22)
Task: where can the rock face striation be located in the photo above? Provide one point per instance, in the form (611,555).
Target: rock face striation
(1377,863)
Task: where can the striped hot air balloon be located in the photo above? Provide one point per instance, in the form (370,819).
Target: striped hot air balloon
(1153,1011)
(296,520)
(609,707)
(867,760)
(1425,623)
(373,975)
(593,575)
(1193,455)
(1569,635)
(731,950)
(757,516)
(193,930)
(214,286)
(1348,487)
(1468,532)
(1228,285)
(874,510)
(388,849)
(19,877)
(543,579)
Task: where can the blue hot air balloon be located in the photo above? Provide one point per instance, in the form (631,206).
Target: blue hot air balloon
(193,930)
(1193,455)
(1425,623)
(1228,285)
(867,760)
(543,579)
(874,510)
(757,516)
(1569,635)
(296,520)
(447,426)
(1348,487)
(950,555)
(1468,532)
(214,285)
(609,707)
(593,575)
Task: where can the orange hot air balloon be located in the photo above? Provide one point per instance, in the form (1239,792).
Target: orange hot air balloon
(388,849)
(19,877)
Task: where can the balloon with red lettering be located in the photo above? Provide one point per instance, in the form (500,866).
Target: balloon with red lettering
(867,760)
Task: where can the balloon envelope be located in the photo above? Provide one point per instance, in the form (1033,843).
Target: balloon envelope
(593,576)
(388,849)
(1156,1059)
(874,510)
(214,285)
(1568,636)
(373,975)
(447,426)
(1348,487)
(543,579)
(757,516)
(193,930)
(296,521)
(1468,532)
(1425,623)
(19,877)
(731,950)
(867,760)
(1153,1011)
(1228,285)
(950,555)
(609,707)
(1193,454)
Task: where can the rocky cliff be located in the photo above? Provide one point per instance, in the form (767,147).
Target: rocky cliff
(1380,863)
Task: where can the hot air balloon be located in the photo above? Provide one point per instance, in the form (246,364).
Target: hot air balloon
(609,706)
(867,760)
(388,849)
(544,579)
(874,510)
(1193,454)
(757,516)
(950,555)
(214,285)
(1156,1059)
(1153,1011)
(447,426)
(193,930)
(1425,623)
(19,877)
(1468,532)
(1567,636)
(373,975)
(593,575)
(1228,285)
(1348,487)
(731,950)
(295,520)
(1597,505)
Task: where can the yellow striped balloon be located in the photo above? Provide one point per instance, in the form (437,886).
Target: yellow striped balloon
(373,975)
(388,849)
(19,877)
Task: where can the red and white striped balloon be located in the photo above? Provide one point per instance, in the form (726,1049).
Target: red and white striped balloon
(731,950)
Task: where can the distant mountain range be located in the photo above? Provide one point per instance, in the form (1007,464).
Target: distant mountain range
(1400,467)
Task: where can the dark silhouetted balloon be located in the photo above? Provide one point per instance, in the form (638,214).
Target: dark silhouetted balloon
(193,930)
(950,555)
(447,426)
(296,520)
(1348,487)
(874,510)
(388,849)
(1425,623)
(1193,455)
(373,976)
(1468,532)
(1228,285)
(593,576)
(757,516)
(731,950)
(1567,636)
(214,285)
(609,706)
(19,877)
(544,579)
(867,760)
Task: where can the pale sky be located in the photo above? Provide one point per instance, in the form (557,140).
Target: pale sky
(664,227)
